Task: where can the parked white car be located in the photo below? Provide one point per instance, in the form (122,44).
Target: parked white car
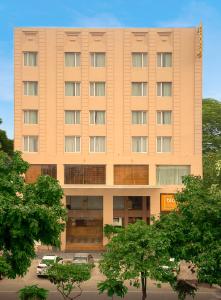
(46,262)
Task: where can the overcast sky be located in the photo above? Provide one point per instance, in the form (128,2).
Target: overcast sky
(108,13)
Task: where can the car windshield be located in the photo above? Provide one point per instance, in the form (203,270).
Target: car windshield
(47,261)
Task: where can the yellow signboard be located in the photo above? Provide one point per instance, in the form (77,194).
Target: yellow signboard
(167,202)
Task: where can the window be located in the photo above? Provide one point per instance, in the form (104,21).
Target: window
(37,170)
(164,89)
(97,88)
(97,117)
(131,174)
(171,174)
(30,143)
(139,60)
(85,174)
(139,88)
(30,88)
(72,116)
(164,144)
(139,117)
(30,59)
(98,59)
(72,59)
(97,144)
(72,144)
(139,144)
(164,117)
(72,88)
(164,59)
(30,117)
(84,202)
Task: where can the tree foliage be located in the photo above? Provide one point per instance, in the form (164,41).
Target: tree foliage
(211,169)
(67,277)
(211,125)
(194,230)
(33,292)
(6,144)
(135,253)
(28,213)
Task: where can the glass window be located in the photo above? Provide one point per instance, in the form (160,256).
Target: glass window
(98,59)
(97,88)
(30,59)
(72,117)
(72,144)
(72,88)
(139,88)
(139,60)
(30,88)
(164,144)
(139,144)
(171,174)
(164,59)
(164,117)
(135,203)
(30,117)
(118,203)
(72,59)
(97,144)
(30,143)
(164,89)
(85,174)
(139,117)
(97,117)
(84,202)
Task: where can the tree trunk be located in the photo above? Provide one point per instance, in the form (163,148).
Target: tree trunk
(144,286)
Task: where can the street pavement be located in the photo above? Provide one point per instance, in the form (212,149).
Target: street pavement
(9,288)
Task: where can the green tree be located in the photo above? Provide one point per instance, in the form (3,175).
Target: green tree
(211,169)
(135,253)
(194,230)
(6,144)
(28,213)
(211,125)
(67,277)
(33,292)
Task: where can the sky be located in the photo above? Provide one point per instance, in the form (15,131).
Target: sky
(108,13)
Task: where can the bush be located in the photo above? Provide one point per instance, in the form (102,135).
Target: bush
(33,292)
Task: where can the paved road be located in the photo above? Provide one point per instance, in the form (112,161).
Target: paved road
(9,289)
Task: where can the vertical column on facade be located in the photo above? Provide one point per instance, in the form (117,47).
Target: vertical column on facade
(63,234)
(42,90)
(84,92)
(107,210)
(176,91)
(152,104)
(60,96)
(18,90)
(110,104)
(155,203)
(127,92)
(198,96)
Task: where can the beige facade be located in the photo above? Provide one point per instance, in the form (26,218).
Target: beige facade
(147,85)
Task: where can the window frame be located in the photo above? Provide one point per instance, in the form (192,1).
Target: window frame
(75,137)
(28,111)
(94,143)
(28,136)
(94,117)
(143,112)
(28,52)
(75,111)
(161,88)
(75,59)
(94,88)
(161,144)
(25,89)
(142,143)
(161,117)
(161,59)
(75,89)
(142,59)
(93,59)
(142,88)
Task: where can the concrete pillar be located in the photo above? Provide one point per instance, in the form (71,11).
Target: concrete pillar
(107,210)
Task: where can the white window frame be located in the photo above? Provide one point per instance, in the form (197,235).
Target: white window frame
(75,137)
(161,59)
(28,52)
(94,89)
(28,112)
(94,117)
(142,143)
(143,113)
(75,59)
(161,144)
(75,116)
(142,59)
(94,143)
(26,90)
(75,89)
(93,59)
(161,88)
(161,117)
(28,137)
(142,88)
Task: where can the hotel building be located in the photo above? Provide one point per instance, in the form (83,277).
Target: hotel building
(114,115)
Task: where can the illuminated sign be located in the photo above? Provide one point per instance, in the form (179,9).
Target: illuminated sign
(167,202)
